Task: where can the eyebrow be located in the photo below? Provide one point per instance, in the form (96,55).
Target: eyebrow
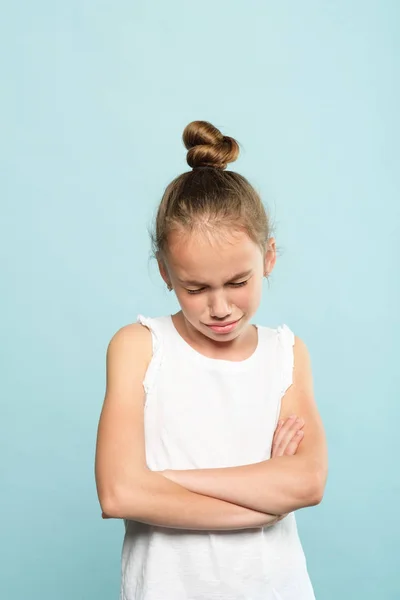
(200,284)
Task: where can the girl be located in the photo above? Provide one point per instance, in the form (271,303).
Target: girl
(198,445)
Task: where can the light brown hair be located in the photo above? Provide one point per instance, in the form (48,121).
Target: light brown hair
(209,196)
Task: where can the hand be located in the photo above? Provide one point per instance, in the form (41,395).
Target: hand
(287,437)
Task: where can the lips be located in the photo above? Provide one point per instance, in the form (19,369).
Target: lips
(221,324)
(223,327)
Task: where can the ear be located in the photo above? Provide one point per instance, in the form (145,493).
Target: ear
(270,256)
(162,267)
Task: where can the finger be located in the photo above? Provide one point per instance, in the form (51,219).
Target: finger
(275,440)
(288,425)
(293,445)
(283,425)
(277,448)
(277,430)
(286,434)
(290,434)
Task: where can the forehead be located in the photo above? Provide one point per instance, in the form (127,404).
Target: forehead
(203,257)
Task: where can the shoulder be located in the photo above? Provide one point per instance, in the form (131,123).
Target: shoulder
(130,334)
(295,350)
(302,377)
(298,392)
(286,337)
(301,355)
(292,355)
(299,347)
(130,341)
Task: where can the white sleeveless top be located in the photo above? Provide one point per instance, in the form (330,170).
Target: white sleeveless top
(206,413)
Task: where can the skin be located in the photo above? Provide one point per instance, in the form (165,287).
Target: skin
(217,281)
(217,277)
(287,438)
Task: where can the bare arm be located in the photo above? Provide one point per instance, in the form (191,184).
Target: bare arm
(282,484)
(126,487)
(155,500)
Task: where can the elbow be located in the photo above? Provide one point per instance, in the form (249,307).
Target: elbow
(118,505)
(316,495)
(122,501)
(311,485)
(110,498)
(316,487)
(109,504)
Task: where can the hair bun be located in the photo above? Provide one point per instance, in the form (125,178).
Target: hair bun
(207,147)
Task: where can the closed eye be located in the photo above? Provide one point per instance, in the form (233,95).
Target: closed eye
(235,285)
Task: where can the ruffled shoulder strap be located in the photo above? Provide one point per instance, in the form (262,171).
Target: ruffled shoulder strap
(155,327)
(286,340)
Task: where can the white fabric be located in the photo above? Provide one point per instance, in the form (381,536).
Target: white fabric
(205,413)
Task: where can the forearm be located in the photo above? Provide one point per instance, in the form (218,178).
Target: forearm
(153,499)
(276,486)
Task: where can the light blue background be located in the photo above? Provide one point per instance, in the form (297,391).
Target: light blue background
(94,98)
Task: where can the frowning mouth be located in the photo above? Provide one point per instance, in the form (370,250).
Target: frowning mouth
(223,327)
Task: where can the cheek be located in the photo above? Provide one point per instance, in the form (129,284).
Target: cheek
(250,294)
(190,303)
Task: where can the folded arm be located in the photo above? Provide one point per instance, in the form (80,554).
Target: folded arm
(278,485)
(152,499)
(126,488)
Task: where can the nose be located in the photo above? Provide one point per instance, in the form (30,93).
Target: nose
(219,306)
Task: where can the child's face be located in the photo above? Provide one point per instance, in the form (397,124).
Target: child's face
(217,279)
